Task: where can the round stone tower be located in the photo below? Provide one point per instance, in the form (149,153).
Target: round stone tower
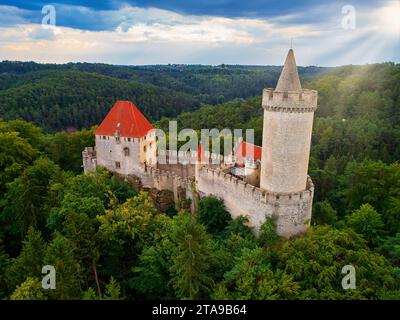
(288,119)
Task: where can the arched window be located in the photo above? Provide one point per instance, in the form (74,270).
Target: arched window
(126,151)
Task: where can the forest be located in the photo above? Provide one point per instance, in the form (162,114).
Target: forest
(76,96)
(109,240)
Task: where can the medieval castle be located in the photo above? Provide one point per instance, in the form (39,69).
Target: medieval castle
(257,182)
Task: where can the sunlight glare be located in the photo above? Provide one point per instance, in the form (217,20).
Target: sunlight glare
(389,18)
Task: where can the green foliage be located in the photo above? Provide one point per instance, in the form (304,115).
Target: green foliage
(378,184)
(152,272)
(390,247)
(25,203)
(315,261)
(26,130)
(60,254)
(239,226)
(129,221)
(323,213)
(113,290)
(192,256)
(4,265)
(81,230)
(90,294)
(213,215)
(367,222)
(30,289)
(251,278)
(15,155)
(30,261)
(65,149)
(123,232)
(268,234)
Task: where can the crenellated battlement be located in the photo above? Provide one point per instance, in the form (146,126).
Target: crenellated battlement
(290,101)
(162,174)
(191,157)
(292,211)
(231,182)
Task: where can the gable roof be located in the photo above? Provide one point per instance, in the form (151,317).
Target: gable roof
(125,117)
(247,150)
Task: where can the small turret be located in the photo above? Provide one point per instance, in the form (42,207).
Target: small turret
(252,172)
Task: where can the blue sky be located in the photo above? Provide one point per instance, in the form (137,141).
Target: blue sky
(259,32)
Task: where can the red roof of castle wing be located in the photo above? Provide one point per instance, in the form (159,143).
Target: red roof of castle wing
(200,153)
(247,150)
(125,117)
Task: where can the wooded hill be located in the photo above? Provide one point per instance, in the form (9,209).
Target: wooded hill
(59,97)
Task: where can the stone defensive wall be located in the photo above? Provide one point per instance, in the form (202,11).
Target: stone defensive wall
(290,101)
(168,180)
(89,159)
(291,211)
(190,157)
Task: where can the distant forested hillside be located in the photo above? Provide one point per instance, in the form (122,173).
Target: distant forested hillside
(57,100)
(58,97)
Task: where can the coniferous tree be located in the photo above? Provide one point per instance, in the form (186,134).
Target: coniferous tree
(60,254)
(192,258)
(30,261)
(30,289)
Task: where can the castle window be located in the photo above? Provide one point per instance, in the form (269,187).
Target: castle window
(104,137)
(126,152)
(117,165)
(286,95)
(144,148)
(129,139)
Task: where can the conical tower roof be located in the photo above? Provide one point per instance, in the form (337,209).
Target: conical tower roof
(289,79)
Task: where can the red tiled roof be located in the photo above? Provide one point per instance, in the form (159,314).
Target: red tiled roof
(247,150)
(125,117)
(200,153)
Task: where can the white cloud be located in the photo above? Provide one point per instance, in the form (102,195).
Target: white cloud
(149,36)
(10,15)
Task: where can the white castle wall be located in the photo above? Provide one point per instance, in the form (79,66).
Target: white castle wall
(109,151)
(291,211)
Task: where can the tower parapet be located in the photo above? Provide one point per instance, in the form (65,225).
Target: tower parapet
(303,100)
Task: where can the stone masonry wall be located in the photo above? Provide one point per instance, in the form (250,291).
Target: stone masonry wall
(291,211)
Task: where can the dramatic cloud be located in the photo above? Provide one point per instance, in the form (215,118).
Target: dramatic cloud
(139,35)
